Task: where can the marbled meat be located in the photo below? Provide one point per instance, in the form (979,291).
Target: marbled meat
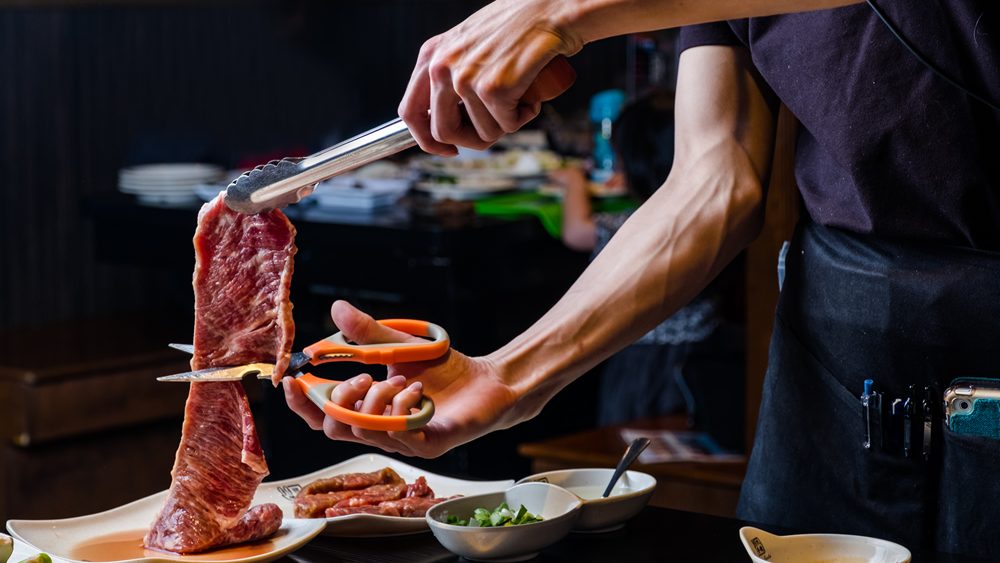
(242,315)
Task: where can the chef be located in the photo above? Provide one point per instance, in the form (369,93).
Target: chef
(893,275)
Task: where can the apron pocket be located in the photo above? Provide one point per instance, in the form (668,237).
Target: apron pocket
(969,515)
(809,470)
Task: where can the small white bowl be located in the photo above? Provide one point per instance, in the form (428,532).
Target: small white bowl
(809,548)
(630,495)
(558,508)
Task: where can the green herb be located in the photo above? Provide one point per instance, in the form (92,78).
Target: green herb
(40,558)
(501,516)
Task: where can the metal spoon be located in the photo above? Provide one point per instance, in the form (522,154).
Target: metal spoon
(631,453)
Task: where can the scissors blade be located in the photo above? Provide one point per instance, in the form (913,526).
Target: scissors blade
(188,348)
(297,361)
(236,373)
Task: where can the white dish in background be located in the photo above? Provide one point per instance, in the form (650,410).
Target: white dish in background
(116,535)
(167,200)
(558,508)
(167,185)
(467,188)
(167,173)
(283,493)
(630,495)
(207,192)
(512,164)
(596,190)
(171,189)
(765,547)
(350,192)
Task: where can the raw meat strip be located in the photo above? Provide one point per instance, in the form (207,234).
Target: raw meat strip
(242,314)
(242,281)
(319,495)
(412,506)
(374,495)
(348,481)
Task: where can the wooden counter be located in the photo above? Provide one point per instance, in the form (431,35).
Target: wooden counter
(710,488)
(84,424)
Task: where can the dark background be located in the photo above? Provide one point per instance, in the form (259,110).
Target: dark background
(87,87)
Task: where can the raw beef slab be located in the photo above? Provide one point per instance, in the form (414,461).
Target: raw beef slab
(242,315)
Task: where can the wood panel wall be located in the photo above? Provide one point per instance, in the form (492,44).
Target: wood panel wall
(782,210)
(88,87)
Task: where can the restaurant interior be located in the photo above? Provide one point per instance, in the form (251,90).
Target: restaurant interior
(97,266)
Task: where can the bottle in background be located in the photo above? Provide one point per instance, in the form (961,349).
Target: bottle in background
(605,107)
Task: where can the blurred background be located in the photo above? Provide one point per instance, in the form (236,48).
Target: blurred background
(95,282)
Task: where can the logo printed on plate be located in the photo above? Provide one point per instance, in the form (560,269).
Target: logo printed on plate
(758,546)
(289,491)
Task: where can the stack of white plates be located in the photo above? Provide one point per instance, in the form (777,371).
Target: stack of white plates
(357,192)
(167,184)
(357,199)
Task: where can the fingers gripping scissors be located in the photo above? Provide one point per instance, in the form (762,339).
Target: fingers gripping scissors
(336,348)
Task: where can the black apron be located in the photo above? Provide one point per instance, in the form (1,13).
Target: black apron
(852,308)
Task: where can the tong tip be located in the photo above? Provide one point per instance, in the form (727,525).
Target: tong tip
(266,187)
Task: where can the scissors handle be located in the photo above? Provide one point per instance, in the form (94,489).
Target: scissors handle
(336,348)
(318,390)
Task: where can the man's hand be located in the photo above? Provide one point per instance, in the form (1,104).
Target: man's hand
(469,84)
(470,399)
(487,64)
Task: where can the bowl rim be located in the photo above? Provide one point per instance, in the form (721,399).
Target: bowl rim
(575,509)
(746,532)
(594,501)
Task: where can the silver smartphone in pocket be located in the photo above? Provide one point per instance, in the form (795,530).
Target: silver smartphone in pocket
(972,407)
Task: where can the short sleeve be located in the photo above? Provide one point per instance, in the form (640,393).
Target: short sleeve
(717,33)
(728,34)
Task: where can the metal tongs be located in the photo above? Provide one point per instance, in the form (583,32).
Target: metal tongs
(336,348)
(282,182)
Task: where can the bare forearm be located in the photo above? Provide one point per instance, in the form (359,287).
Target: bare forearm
(590,20)
(660,259)
(709,208)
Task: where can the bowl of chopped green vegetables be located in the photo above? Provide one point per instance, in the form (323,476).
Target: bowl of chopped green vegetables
(513,525)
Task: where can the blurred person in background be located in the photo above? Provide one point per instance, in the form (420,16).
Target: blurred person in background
(651,376)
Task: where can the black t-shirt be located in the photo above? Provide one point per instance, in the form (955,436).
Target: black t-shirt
(887,147)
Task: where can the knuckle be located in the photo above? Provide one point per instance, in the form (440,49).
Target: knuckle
(439,133)
(427,49)
(508,124)
(439,70)
(341,397)
(411,112)
(464,84)
(330,431)
(492,90)
(479,144)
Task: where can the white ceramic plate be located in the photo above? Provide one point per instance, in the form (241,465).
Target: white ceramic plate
(170,172)
(162,200)
(138,188)
(283,493)
(467,188)
(764,547)
(116,535)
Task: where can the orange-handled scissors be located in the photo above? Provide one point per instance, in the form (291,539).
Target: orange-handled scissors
(336,348)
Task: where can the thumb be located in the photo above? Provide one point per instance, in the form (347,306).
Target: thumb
(360,327)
